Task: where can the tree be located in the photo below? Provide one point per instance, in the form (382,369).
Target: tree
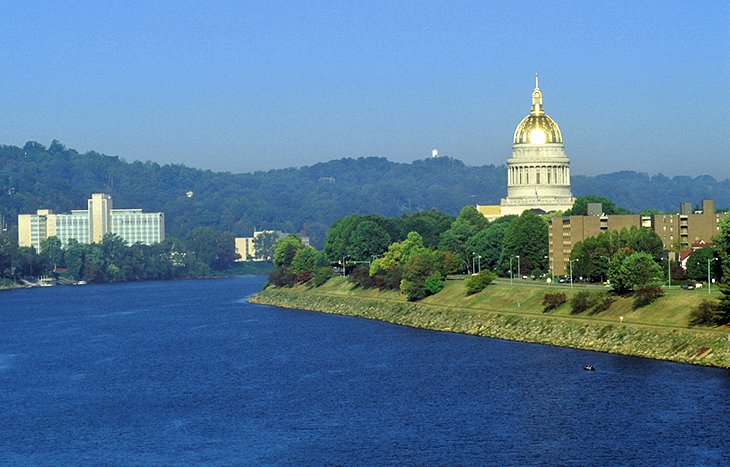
(264,244)
(635,271)
(580,206)
(368,239)
(213,248)
(467,224)
(8,250)
(429,225)
(698,261)
(527,237)
(422,275)
(52,252)
(722,241)
(305,260)
(286,249)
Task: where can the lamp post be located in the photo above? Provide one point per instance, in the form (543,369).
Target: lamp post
(709,282)
(669,272)
(519,274)
(510,267)
(473,270)
(570,263)
(480,263)
(344,271)
(552,268)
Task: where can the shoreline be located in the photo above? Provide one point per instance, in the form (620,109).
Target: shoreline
(702,346)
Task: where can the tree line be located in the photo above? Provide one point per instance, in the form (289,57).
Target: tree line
(203,252)
(305,200)
(415,253)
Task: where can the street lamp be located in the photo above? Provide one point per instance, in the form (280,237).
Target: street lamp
(669,271)
(344,271)
(480,263)
(510,267)
(552,268)
(709,283)
(473,255)
(570,263)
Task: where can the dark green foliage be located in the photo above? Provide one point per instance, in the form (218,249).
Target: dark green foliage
(321,276)
(603,302)
(306,199)
(646,295)
(580,302)
(282,277)
(634,272)
(286,249)
(421,267)
(434,283)
(580,206)
(213,248)
(360,277)
(707,313)
(552,301)
(478,282)
(465,227)
(698,261)
(527,237)
(264,246)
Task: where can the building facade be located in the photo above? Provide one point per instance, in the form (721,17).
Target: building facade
(90,225)
(677,231)
(538,173)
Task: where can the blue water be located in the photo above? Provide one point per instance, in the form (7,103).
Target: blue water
(188,373)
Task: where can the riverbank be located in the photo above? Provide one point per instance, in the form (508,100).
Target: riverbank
(502,311)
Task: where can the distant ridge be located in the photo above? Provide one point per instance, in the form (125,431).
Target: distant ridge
(307,199)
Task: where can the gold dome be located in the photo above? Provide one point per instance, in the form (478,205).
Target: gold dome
(537,128)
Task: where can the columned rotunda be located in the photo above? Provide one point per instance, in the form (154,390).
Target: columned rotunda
(538,173)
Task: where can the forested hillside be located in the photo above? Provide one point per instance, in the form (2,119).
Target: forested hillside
(307,199)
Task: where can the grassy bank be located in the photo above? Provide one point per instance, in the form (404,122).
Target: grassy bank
(656,331)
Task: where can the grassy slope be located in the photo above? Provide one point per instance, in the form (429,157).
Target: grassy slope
(515,312)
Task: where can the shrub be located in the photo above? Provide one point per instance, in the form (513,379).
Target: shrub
(478,282)
(553,300)
(282,277)
(360,277)
(434,283)
(646,295)
(707,313)
(322,275)
(580,302)
(304,276)
(603,302)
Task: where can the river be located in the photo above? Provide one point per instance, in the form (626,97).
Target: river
(187,372)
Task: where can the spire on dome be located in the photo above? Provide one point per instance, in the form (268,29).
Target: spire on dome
(537,99)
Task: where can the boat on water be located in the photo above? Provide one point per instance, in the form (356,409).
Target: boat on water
(589,368)
(80,283)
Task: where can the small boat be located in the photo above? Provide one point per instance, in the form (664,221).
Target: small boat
(81,283)
(589,368)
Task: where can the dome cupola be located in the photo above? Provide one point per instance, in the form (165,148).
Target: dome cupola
(537,128)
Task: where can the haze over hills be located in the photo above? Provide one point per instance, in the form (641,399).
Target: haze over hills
(307,199)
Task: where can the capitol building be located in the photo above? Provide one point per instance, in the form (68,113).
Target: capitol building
(538,173)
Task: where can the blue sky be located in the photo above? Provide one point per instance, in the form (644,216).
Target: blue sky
(243,86)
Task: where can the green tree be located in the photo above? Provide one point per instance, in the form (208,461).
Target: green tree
(264,245)
(52,252)
(697,264)
(305,260)
(368,239)
(467,224)
(580,206)
(429,225)
(422,275)
(635,271)
(527,237)
(213,248)
(8,251)
(286,249)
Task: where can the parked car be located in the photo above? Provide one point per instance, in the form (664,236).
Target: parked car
(688,286)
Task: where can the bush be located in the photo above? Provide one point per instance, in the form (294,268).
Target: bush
(603,302)
(553,300)
(646,295)
(434,283)
(580,302)
(479,282)
(707,313)
(360,277)
(322,275)
(282,277)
